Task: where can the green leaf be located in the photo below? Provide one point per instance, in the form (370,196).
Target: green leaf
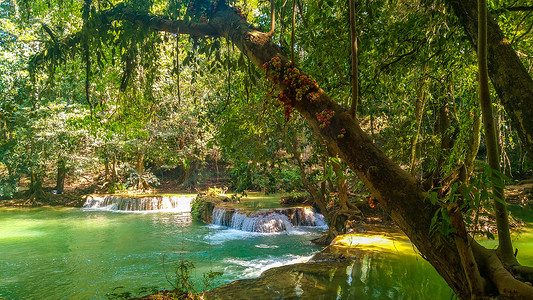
(498,199)
(433,197)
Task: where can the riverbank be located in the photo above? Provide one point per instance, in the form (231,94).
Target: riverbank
(68,199)
(378,262)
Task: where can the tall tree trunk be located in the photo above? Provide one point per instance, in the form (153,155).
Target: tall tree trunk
(509,77)
(107,169)
(473,145)
(354,55)
(140,170)
(502,219)
(114,171)
(61,174)
(318,196)
(419,112)
(36,192)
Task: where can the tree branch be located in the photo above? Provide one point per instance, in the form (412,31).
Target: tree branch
(272,19)
(159,23)
(123,12)
(475,281)
(519,8)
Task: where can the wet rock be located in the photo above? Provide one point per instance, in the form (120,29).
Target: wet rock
(313,280)
(203,206)
(267,220)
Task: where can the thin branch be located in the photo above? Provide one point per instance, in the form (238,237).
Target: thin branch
(475,281)
(178,71)
(302,14)
(292,31)
(50,33)
(519,8)
(355,71)
(272,19)
(160,23)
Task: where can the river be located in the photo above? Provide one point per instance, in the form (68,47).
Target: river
(69,253)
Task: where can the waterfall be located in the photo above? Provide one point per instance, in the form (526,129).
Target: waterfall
(177,203)
(303,216)
(270,220)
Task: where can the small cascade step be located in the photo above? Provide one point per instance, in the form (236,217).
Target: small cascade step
(177,203)
(270,220)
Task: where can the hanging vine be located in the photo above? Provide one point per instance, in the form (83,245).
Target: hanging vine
(292,31)
(272,19)
(87,53)
(229,69)
(178,71)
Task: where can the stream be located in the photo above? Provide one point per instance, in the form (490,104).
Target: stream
(69,253)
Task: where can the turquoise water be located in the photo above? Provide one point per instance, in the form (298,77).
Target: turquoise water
(51,253)
(66,253)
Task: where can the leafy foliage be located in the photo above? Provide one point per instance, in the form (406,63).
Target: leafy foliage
(474,199)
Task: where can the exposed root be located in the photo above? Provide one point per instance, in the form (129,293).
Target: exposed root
(493,268)
(476,283)
(522,273)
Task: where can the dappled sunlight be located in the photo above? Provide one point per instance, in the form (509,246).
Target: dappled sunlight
(258,200)
(376,242)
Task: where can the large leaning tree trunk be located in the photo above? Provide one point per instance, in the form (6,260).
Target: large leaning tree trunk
(395,189)
(507,73)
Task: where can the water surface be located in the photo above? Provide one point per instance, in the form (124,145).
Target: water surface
(67,253)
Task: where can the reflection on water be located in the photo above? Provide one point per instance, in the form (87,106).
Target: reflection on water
(49,253)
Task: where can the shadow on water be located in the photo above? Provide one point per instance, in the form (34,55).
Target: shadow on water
(64,253)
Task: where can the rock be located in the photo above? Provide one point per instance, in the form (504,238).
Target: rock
(202,207)
(330,274)
(313,280)
(295,200)
(267,220)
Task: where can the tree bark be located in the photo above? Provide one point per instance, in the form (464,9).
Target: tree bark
(36,192)
(355,70)
(473,145)
(508,75)
(419,112)
(140,171)
(61,174)
(114,171)
(318,197)
(500,209)
(107,172)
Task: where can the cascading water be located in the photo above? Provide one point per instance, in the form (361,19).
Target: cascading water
(271,220)
(177,203)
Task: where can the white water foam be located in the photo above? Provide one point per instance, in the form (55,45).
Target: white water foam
(264,246)
(254,267)
(176,204)
(268,221)
(224,234)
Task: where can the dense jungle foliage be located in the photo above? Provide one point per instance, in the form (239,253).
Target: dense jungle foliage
(277,96)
